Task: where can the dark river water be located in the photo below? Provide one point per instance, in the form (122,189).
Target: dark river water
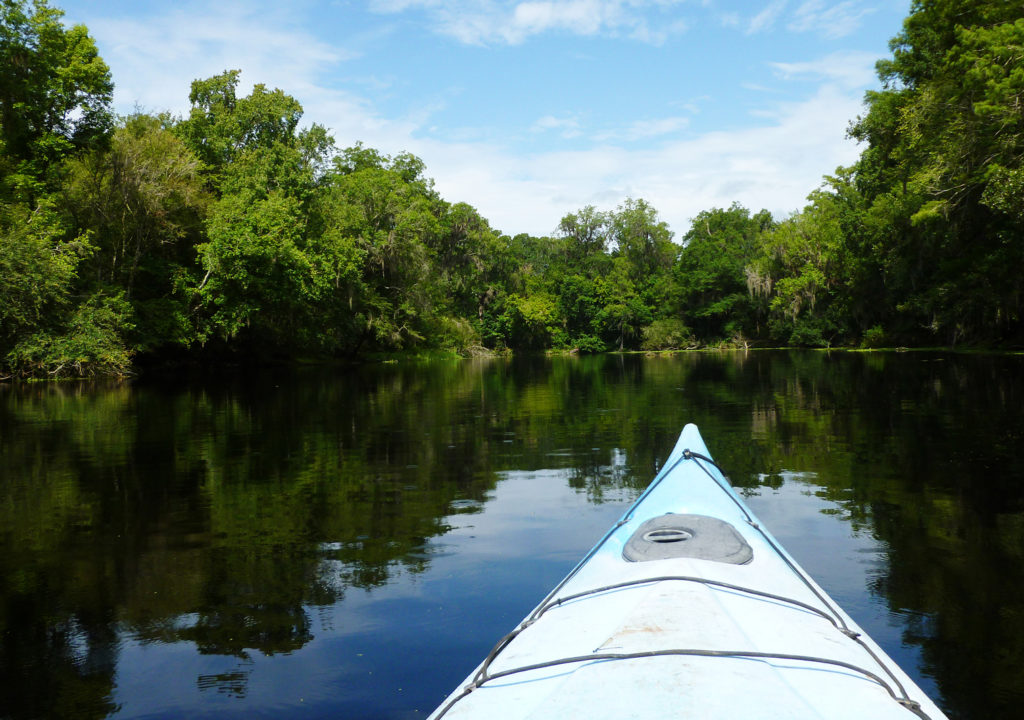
(349,543)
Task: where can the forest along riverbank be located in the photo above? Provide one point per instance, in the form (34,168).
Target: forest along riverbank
(234,231)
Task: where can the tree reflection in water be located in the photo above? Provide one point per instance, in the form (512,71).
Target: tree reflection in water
(220,513)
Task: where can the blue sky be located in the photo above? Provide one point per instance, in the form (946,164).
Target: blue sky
(531,110)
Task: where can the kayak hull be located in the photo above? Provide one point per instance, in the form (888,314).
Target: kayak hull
(669,616)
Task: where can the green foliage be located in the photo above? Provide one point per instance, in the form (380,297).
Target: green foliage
(809,332)
(256,274)
(267,257)
(391,213)
(38,269)
(91,343)
(143,200)
(801,265)
(55,94)
(668,334)
(623,310)
(471,260)
(586,235)
(711,288)
(236,230)
(221,126)
(642,239)
(531,322)
(874,337)
(45,329)
(945,142)
(579,304)
(457,334)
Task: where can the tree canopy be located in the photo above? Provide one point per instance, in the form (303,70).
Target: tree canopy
(238,232)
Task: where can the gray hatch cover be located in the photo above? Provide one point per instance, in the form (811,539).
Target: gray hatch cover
(687,536)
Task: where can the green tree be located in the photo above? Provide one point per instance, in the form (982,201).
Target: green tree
(579,303)
(144,202)
(623,311)
(711,291)
(586,235)
(390,214)
(532,322)
(38,267)
(944,142)
(46,328)
(801,270)
(257,284)
(55,94)
(471,259)
(642,239)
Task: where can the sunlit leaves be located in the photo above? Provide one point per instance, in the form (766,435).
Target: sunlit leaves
(38,267)
(945,143)
(55,93)
(142,196)
(711,289)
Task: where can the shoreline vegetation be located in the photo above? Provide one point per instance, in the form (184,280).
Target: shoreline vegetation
(236,235)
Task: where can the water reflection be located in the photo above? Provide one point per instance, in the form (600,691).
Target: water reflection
(290,540)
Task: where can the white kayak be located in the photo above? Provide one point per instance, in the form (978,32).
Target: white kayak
(688,608)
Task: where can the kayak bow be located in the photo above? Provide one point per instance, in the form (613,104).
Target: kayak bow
(688,608)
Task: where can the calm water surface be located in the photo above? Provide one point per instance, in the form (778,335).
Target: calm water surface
(350,543)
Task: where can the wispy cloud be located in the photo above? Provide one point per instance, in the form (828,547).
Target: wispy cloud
(851,69)
(567,127)
(154,59)
(773,164)
(765,19)
(831,21)
(485,22)
(645,130)
(730,20)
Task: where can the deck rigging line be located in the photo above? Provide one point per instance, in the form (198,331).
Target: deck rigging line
(693,579)
(552,600)
(845,629)
(909,704)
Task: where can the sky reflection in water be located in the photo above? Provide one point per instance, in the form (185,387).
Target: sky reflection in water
(323,544)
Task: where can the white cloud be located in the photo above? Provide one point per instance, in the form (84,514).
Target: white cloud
(569,127)
(645,129)
(155,59)
(730,19)
(813,16)
(765,19)
(834,21)
(850,68)
(394,6)
(773,165)
(583,17)
(482,22)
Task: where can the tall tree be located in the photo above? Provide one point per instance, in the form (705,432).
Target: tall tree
(801,270)
(711,291)
(644,240)
(55,94)
(945,141)
(586,235)
(390,215)
(144,201)
(258,286)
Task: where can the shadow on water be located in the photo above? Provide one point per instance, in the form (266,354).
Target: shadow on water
(227,525)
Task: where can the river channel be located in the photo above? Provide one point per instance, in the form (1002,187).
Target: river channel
(350,542)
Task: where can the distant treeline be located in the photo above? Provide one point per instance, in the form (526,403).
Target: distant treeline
(234,233)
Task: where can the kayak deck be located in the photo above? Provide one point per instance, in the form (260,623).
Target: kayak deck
(669,616)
